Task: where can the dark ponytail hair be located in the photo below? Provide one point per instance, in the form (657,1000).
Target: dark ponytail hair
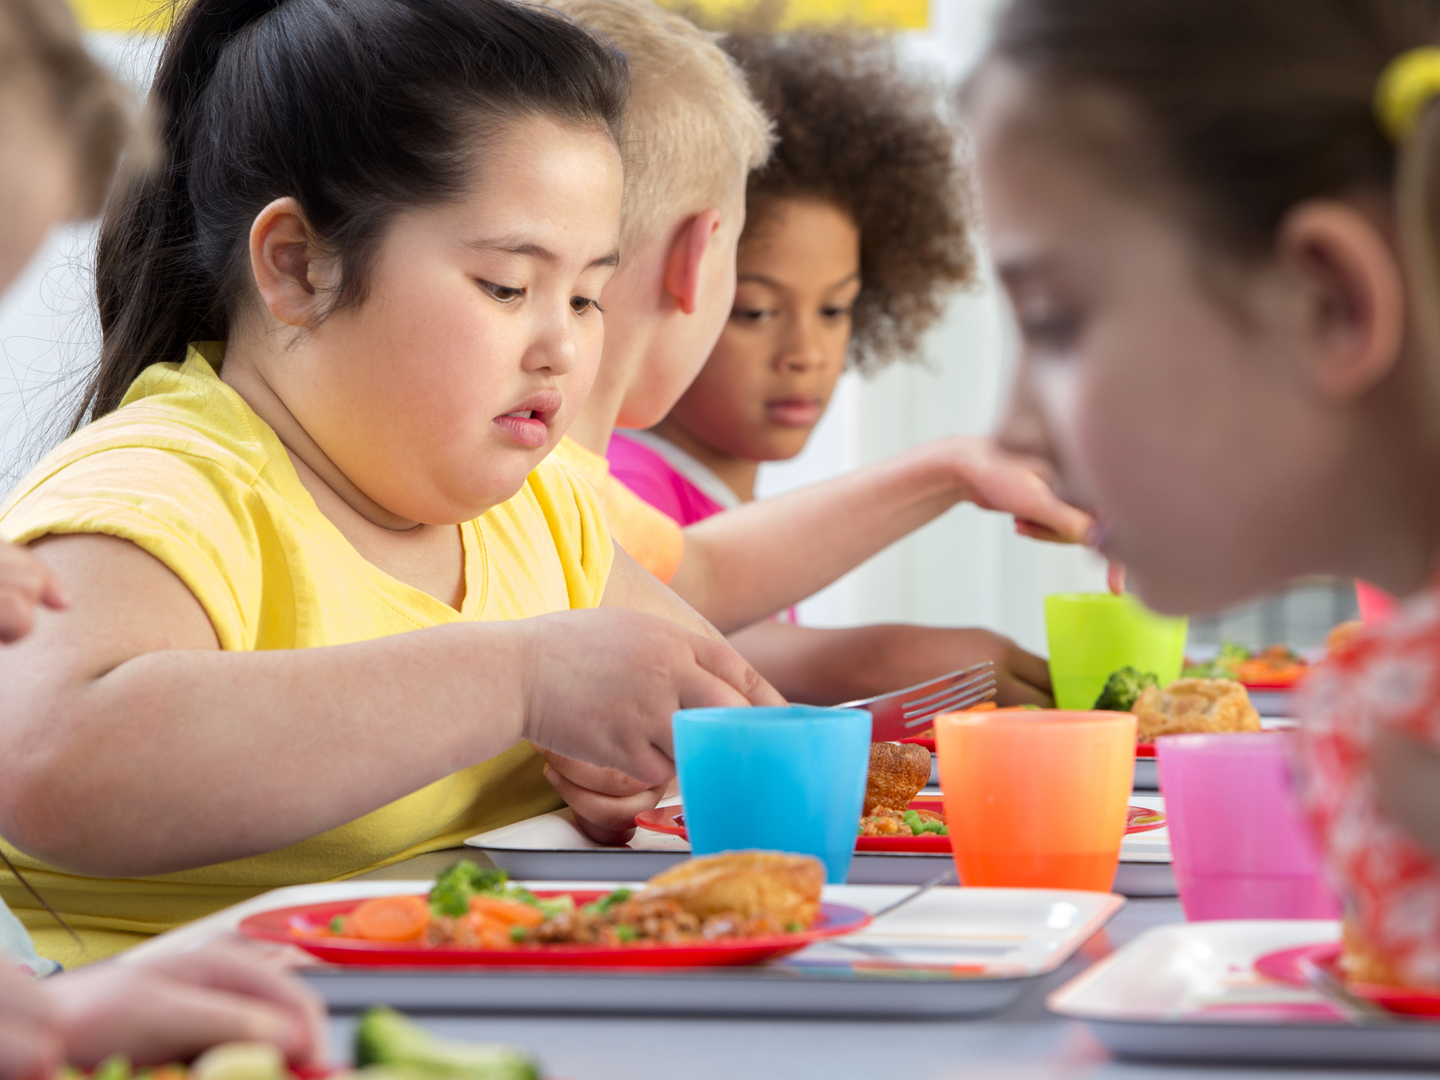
(1247,107)
(356,108)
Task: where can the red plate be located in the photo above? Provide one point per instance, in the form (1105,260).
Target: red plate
(1288,966)
(671,820)
(304,926)
(927,741)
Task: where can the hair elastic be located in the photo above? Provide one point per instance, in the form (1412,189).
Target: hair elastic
(1405,87)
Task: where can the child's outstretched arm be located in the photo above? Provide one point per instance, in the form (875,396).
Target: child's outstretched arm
(25,582)
(827,666)
(248,752)
(747,563)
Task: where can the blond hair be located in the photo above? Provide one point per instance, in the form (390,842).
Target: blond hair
(692,124)
(41,51)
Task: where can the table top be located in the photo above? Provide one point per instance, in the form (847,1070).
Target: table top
(1023,1042)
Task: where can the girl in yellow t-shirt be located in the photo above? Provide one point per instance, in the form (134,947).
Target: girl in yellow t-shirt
(323,575)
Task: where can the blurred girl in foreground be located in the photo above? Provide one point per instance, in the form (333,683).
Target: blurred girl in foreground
(63,124)
(1215,221)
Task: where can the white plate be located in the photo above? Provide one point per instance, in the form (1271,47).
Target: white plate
(551,846)
(1189,992)
(952,952)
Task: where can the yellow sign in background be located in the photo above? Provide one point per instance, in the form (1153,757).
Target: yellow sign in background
(152,16)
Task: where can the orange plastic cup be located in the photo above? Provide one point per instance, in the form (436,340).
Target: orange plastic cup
(1036,799)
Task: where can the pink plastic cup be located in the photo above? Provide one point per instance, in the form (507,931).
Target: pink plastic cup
(1241,848)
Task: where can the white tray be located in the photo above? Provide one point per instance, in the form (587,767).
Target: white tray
(951,952)
(552,847)
(1189,992)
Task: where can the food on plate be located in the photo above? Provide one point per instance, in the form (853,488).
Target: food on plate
(887,822)
(752,884)
(735,895)
(1194,705)
(1275,665)
(388,1043)
(1123,688)
(897,773)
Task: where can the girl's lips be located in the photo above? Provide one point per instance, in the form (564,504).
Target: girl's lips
(528,424)
(524,428)
(795,412)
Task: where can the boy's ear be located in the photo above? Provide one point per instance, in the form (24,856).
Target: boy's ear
(284,258)
(1353,294)
(687,256)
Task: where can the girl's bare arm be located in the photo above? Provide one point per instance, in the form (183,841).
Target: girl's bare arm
(748,563)
(133,745)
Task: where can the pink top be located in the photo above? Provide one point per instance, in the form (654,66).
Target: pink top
(658,482)
(1388,679)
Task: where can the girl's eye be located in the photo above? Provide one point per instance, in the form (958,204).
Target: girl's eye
(1050,331)
(836,313)
(750,315)
(581,304)
(504,293)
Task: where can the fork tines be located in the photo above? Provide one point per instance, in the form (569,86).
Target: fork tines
(951,693)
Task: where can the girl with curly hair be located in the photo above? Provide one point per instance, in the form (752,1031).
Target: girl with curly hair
(856,234)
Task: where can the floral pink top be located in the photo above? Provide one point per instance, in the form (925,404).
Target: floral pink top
(1388,679)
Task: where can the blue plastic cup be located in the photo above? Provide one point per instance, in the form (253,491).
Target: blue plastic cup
(774,779)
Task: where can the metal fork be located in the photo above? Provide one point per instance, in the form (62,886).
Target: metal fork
(901,713)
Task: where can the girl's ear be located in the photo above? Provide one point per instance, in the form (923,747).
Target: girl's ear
(687,256)
(1353,306)
(286,261)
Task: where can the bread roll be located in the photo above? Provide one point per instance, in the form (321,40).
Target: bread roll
(1192,705)
(749,883)
(897,773)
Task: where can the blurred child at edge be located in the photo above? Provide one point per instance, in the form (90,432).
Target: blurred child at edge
(63,123)
(1216,224)
(664,311)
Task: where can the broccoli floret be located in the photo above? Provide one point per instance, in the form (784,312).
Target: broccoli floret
(385,1038)
(1123,688)
(460,881)
(1225,665)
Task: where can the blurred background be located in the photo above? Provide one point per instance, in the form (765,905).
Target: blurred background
(968,568)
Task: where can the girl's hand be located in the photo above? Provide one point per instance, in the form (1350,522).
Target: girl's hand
(996,479)
(24,582)
(174,1007)
(604,801)
(601,685)
(30,1046)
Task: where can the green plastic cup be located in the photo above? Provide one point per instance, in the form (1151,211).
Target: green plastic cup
(1094,634)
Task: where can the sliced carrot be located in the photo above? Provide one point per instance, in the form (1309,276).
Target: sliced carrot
(984,706)
(507,912)
(489,932)
(390,918)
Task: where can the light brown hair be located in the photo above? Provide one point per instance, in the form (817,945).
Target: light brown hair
(691,126)
(41,52)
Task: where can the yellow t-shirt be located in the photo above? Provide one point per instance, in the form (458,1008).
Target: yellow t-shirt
(188,472)
(650,537)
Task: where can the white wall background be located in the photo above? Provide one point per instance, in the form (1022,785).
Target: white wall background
(968,568)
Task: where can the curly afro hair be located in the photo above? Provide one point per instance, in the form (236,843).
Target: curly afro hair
(856,132)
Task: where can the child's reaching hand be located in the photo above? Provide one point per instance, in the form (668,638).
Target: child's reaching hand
(24,582)
(174,1007)
(30,1047)
(604,801)
(1014,484)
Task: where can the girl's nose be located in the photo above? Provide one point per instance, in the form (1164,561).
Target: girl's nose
(804,348)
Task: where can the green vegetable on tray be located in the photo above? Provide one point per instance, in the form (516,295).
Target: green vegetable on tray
(1226,664)
(1124,688)
(458,882)
(404,1050)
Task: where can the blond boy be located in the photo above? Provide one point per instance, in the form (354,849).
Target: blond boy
(694,131)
